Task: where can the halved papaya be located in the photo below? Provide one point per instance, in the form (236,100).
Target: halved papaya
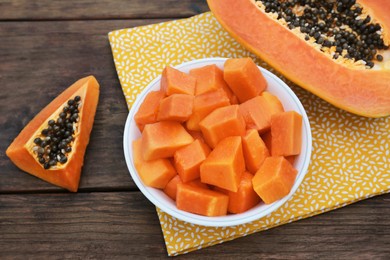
(52,145)
(338,50)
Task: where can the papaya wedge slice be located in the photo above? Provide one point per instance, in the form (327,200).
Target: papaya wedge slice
(52,145)
(357,89)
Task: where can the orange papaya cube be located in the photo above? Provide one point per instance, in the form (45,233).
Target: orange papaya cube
(286,131)
(245,198)
(254,150)
(208,78)
(176,107)
(196,135)
(147,112)
(198,183)
(244,78)
(188,159)
(174,81)
(274,104)
(155,173)
(267,138)
(204,104)
(274,179)
(201,201)
(171,187)
(291,159)
(257,113)
(224,165)
(162,139)
(221,123)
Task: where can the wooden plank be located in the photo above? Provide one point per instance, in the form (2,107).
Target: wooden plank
(102,9)
(38,61)
(125,225)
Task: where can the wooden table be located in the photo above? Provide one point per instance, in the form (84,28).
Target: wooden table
(44,47)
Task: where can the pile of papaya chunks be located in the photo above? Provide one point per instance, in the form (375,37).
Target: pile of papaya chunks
(216,141)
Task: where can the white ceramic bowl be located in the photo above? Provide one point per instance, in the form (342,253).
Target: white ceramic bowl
(162,201)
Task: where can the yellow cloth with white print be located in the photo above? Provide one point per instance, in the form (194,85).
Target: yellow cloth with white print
(350,159)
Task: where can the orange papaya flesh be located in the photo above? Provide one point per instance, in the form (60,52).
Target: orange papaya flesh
(154,173)
(34,156)
(257,112)
(291,159)
(174,81)
(204,104)
(224,165)
(198,183)
(344,83)
(286,133)
(176,107)
(221,123)
(245,198)
(201,201)
(274,179)
(254,149)
(162,139)
(244,78)
(197,135)
(147,112)
(208,78)
(188,159)
(267,138)
(273,102)
(171,187)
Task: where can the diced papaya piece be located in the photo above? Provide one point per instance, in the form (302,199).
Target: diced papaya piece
(245,198)
(204,104)
(147,112)
(198,183)
(176,107)
(224,165)
(174,81)
(291,159)
(171,187)
(188,159)
(155,173)
(196,135)
(274,179)
(254,150)
(286,131)
(201,201)
(221,123)
(244,78)
(257,112)
(267,138)
(275,106)
(208,78)
(162,139)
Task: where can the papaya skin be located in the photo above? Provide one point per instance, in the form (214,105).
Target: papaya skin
(364,92)
(68,176)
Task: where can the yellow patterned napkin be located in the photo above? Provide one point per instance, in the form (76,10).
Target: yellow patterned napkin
(350,160)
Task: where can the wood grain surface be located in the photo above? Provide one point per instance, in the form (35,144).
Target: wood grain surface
(46,46)
(96,10)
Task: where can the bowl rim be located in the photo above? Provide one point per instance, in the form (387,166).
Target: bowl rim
(229,220)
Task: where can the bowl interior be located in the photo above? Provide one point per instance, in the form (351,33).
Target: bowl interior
(162,201)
